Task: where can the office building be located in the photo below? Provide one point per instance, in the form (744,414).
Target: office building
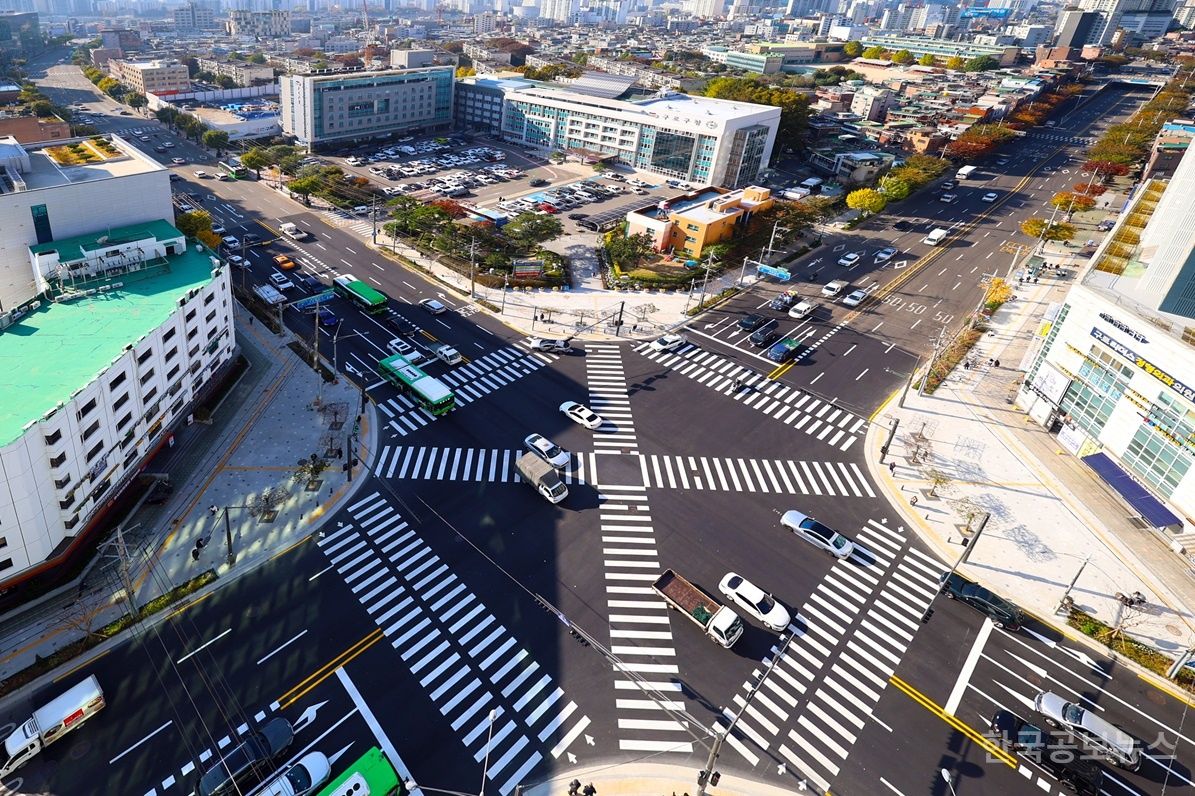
(259,24)
(161,78)
(20,34)
(1144,15)
(1115,374)
(194,17)
(122,39)
(349,106)
(688,224)
(702,140)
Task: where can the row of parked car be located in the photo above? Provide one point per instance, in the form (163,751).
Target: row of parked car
(255,760)
(566,197)
(457,183)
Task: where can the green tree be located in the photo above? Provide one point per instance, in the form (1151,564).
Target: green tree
(136,101)
(852,49)
(981,63)
(217,140)
(629,250)
(167,115)
(902,57)
(875,52)
(256,159)
(866,201)
(305,187)
(926,60)
(225,81)
(807,212)
(529,230)
(193,222)
(601,166)
(1040,228)
(793,105)
(290,164)
(257,58)
(894,187)
(42,108)
(955,62)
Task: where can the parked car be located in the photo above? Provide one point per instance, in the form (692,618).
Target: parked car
(817,534)
(1095,733)
(755,601)
(1002,613)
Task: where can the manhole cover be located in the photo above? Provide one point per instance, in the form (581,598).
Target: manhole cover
(1174,630)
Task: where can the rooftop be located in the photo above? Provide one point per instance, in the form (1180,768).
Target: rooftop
(43,172)
(59,348)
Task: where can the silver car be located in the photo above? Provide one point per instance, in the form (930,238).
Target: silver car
(817,534)
(1099,736)
(547,450)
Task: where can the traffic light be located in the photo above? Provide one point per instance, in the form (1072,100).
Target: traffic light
(717,775)
(702,776)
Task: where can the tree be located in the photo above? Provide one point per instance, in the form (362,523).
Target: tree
(225,81)
(629,250)
(1043,230)
(852,49)
(256,159)
(193,222)
(1106,168)
(601,166)
(290,164)
(981,63)
(793,105)
(875,52)
(257,58)
(452,208)
(217,140)
(305,186)
(42,108)
(902,57)
(926,60)
(465,71)
(1065,200)
(969,148)
(167,115)
(136,101)
(806,212)
(866,201)
(955,62)
(529,230)
(894,187)
(1089,188)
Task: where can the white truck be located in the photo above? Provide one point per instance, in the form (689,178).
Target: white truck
(269,294)
(293,232)
(965,172)
(50,722)
(542,476)
(715,620)
(935,237)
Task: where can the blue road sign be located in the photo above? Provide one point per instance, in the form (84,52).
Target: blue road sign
(311,301)
(780,273)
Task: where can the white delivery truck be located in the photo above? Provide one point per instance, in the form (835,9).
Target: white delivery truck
(269,295)
(542,476)
(715,620)
(50,722)
(965,172)
(935,237)
(293,232)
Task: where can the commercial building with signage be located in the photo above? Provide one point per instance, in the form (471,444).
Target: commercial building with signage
(1114,370)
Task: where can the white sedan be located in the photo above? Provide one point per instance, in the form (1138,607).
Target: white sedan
(669,342)
(547,450)
(817,534)
(849,259)
(990,196)
(885,254)
(755,601)
(432,306)
(579,413)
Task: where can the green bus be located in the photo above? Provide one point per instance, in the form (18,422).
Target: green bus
(233,169)
(370,775)
(367,298)
(428,392)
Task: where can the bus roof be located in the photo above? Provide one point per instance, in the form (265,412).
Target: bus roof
(365,291)
(432,388)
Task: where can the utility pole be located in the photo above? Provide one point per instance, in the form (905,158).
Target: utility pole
(319,390)
(968,546)
(772,239)
(214,510)
(505,284)
(373,216)
(933,357)
(709,264)
(473,269)
(126,575)
(1066,594)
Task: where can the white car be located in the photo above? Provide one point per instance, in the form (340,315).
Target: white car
(303,778)
(802,310)
(817,534)
(990,196)
(448,355)
(887,253)
(433,306)
(850,258)
(547,450)
(948,198)
(545,344)
(669,342)
(854,298)
(280,281)
(833,288)
(755,601)
(579,413)
(178,161)
(203,175)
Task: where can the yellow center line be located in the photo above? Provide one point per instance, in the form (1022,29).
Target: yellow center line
(983,741)
(329,668)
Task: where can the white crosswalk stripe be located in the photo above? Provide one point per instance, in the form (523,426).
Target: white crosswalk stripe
(827,422)
(494,465)
(818,700)
(467,662)
(609,398)
(341,219)
(780,476)
(188,770)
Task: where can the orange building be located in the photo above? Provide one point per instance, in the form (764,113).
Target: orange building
(688,224)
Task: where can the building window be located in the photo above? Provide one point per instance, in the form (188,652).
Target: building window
(120,401)
(119,380)
(1093,395)
(86,408)
(1161,450)
(53,438)
(58,460)
(144,356)
(5,564)
(41,223)
(148,375)
(90,431)
(169,334)
(94,452)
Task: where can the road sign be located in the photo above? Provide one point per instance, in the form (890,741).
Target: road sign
(311,301)
(780,273)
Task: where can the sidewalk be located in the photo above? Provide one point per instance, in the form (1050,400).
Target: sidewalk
(255,439)
(660,779)
(1051,518)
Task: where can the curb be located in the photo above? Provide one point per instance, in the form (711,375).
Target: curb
(613,778)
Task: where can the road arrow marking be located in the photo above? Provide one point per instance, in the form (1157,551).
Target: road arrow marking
(308,716)
(333,758)
(781,770)
(589,740)
(572,758)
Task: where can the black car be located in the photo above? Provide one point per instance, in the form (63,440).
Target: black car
(539,182)
(749,323)
(902,225)
(1002,613)
(251,239)
(250,762)
(766,333)
(306,280)
(404,327)
(1065,761)
(578,216)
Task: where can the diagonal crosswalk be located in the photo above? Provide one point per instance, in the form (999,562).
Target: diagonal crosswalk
(802,411)
(829,677)
(467,662)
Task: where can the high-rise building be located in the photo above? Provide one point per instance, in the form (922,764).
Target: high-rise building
(273,24)
(194,16)
(1145,14)
(20,34)
(122,39)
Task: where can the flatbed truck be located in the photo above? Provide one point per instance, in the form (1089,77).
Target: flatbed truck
(715,620)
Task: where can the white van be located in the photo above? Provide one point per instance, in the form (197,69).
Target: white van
(448,355)
(409,352)
(935,237)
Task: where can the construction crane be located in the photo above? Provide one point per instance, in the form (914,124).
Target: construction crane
(365,15)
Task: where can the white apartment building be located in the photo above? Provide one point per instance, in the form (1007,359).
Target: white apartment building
(162,78)
(244,74)
(1115,374)
(1144,14)
(273,24)
(113,334)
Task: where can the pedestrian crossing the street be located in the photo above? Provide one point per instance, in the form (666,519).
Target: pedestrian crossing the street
(781,476)
(493,465)
(836,427)
(467,662)
(608,397)
(475,380)
(640,631)
(848,639)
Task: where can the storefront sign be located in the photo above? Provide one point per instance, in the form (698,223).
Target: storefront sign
(1145,364)
(1106,318)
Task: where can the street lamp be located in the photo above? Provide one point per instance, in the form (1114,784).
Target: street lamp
(485,767)
(214,510)
(945,772)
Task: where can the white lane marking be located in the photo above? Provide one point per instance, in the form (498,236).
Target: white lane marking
(203,646)
(378,733)
(964,675)
(143,740)
(279,648)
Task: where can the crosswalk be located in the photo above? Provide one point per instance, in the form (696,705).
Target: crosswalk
(608,397)
(493,465)
(339,218)
(823,698)
(802,411)
(780,476)
(467,662)
(1063,138)
(479,378)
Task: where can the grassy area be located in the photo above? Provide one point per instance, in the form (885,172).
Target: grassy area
(948,360)
(1134,650)
(713,300)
